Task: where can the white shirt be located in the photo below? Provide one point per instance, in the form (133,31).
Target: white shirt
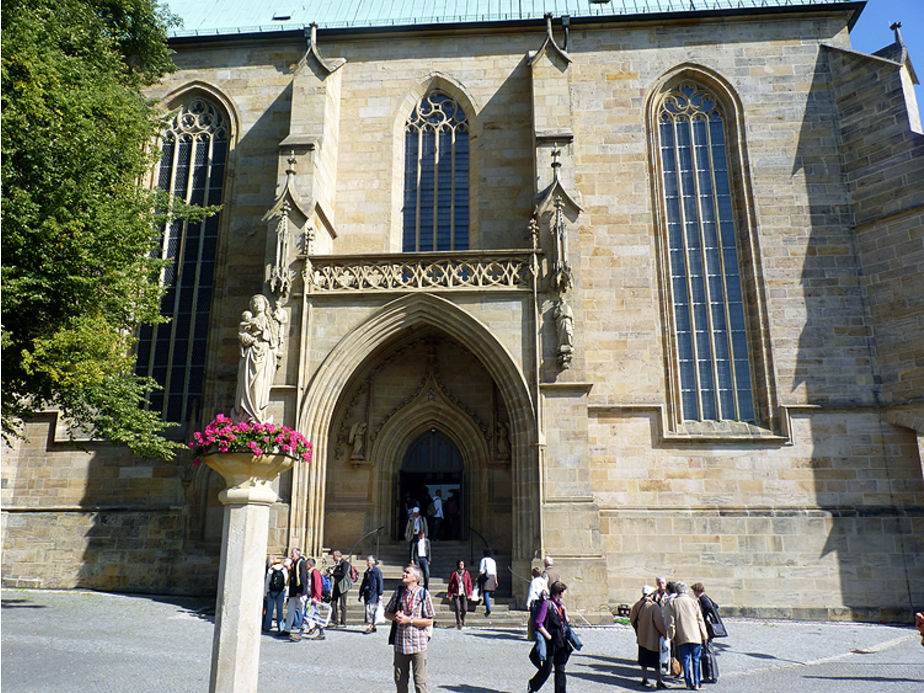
(536,588)
(438,506)
(487,566)
(418,524)
(422,548)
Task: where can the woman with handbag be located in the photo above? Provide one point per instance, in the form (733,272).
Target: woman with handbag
(715,627)
(553,623)
(459,591)
(487,578)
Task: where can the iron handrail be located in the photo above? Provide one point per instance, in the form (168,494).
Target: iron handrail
(471,549)
(360,541)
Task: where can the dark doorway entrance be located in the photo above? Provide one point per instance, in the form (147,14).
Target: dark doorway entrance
(433,463)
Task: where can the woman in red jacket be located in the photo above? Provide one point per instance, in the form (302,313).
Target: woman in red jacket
(460,589)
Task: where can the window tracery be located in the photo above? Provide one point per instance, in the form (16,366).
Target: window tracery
(436,194)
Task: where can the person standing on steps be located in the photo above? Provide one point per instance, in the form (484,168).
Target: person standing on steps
(415,523)
(459,591)
(436,519)
(370,591)
(487,578)
(341,575)
(421,555)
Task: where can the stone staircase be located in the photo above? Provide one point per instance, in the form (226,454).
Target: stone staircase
(394,556)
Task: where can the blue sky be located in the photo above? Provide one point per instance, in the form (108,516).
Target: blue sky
(872,32)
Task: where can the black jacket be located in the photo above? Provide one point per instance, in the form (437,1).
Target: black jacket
(298,578)
(373,585)
(556,627)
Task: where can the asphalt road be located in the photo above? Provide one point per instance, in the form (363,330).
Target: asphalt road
(82,641)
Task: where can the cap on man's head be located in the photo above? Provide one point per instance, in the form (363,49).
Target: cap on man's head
(415,509)
(548,561)
(647,589)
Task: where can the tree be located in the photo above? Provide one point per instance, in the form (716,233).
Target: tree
(78,271)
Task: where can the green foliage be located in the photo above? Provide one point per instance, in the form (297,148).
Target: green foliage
(78,230)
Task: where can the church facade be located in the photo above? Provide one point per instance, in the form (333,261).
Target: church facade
(644,293)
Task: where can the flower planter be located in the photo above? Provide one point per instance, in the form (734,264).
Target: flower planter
(249,478)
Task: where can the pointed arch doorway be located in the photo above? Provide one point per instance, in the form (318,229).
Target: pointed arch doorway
(432,463)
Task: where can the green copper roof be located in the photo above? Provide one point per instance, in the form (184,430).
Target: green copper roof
(223,17)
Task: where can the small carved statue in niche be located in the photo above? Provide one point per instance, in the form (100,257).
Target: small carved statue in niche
(260,334)
(358,440)
(502,438)
(564,325)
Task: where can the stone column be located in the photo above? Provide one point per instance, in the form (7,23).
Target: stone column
(247,501)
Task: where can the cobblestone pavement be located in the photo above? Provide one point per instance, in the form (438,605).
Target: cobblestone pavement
(84,641)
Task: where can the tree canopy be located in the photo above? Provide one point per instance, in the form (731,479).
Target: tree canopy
(78,228)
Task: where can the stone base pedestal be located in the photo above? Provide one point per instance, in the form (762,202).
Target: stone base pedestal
(247,500)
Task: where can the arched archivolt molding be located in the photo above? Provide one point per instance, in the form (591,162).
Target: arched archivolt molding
(438,81)
(757,316)
(175,99)
(433,81)
(389,323)
(429,409)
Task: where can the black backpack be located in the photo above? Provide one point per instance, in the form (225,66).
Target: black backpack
(277,581)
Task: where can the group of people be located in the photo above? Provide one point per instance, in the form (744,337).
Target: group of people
(444,516)
(316,599)
(674,622)
(461,589)
(549,626)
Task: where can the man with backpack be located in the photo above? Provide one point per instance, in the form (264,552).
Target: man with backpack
(342,575)
(274,589)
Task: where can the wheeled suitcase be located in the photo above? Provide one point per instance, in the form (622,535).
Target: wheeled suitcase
(710,666)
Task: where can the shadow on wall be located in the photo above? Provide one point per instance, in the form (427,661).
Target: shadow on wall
(866,472)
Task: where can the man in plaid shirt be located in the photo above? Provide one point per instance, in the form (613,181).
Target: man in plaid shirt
(411,609)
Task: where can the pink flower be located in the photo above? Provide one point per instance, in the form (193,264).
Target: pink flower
(257,451)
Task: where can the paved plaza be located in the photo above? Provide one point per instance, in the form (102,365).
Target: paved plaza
(84,641)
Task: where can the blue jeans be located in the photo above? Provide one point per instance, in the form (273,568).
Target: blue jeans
(424,566)
(296,613)
(691,651)
(487,602)
(540,644)
(274,599)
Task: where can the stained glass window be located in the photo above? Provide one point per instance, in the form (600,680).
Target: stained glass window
(192,166)
(705,279)
(436,176)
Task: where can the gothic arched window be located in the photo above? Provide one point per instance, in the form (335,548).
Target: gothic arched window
(436,176)
(194,150)
(713,366)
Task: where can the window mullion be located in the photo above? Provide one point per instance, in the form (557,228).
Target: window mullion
(704,255)
(721,252)
(178,279)
(686,263)
(436,184)
(452,189)
(420,141)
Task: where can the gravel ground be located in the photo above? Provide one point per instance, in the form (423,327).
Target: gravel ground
(85,641)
